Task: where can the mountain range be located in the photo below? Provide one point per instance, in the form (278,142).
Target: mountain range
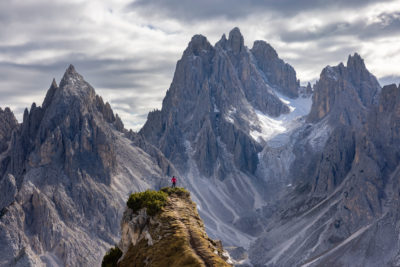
(294,175)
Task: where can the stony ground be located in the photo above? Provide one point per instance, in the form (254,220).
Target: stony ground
(177,238)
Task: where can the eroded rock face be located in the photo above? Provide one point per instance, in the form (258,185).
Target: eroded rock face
(346,90)
(8,184)
(8,124)
(344,206)
(210,107)
(174,237)
(277,72)
(65,183)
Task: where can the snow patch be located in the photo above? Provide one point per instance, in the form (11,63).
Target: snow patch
(331,73)
(276,131)
(229,117)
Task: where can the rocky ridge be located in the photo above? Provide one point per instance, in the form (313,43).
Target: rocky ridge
(69,170)
(342,206)
(8,124)
(216,102)
(173,237)
(230,88)
(317,189)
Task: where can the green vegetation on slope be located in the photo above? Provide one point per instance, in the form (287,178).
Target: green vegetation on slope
(179,191)
(177,233)
(152,200)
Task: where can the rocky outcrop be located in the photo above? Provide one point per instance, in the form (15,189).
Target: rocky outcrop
(257,90)
(108,115)
(322,191)
(8,124)
(210,107)
(346,90)
(173,237)
(278,73)
(343,206)
(68,172)
(206,126)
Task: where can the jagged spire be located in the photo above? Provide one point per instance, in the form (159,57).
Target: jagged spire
(355,61)
(70,72)
(236,40)
(71,69)
(50,93)
(53,84)
(197,44)
(70,76)
(262,47)
(222,41)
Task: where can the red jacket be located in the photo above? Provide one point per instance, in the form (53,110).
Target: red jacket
(173,180)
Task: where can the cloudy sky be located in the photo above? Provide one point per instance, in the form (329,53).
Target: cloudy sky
(127,50)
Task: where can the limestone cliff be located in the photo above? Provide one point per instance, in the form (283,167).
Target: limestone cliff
(175,236)
(64,175)
(212,103)
(344,92)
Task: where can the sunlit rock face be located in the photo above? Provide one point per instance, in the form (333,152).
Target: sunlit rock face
(175,236)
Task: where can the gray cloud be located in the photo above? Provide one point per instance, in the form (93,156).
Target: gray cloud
(122,83)
(194,10)
(388,24)
(390,79)
(128,51)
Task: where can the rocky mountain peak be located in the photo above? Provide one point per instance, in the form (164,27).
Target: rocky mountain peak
(64,175)
(50,94)
(8,123)
(216,90)
(358,72)
(71,70)
(198,45)
(70,73)
(73,83)
(279,74)
(236,41)
(389,98)
(346,90)
(174,235)
(222,41)
(262,47)
(53,84)
(355,62)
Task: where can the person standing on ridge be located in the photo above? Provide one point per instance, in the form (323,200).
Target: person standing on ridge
(173,180)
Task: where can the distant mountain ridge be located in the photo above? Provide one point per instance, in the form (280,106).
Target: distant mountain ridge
(215,83)
(295,176)
(67,171)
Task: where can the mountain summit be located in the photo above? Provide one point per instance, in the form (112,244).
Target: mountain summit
(65,174)
(221,107)
(172,236)
(286,174)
